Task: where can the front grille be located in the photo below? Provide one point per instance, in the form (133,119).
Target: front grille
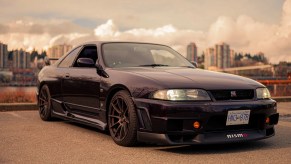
(218,123)
(221,95)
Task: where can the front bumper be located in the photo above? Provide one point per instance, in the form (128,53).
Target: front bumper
(166,122)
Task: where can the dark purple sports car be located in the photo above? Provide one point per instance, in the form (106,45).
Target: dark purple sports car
(144,92)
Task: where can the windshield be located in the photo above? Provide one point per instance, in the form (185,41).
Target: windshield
(141,55)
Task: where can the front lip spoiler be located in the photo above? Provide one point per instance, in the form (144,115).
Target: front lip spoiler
(204,138)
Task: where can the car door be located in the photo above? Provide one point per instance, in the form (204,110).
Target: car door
(81,85)
(63,66)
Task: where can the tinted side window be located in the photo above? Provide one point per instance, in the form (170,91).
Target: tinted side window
(87,52)
(69,59)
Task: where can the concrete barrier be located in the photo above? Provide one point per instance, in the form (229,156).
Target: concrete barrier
(18,106)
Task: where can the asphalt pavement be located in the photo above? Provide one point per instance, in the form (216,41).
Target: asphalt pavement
(25,138)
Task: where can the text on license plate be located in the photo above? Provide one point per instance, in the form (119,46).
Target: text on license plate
(238,117)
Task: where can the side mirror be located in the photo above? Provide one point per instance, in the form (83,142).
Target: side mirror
(100,71)
(85,62)
(195,64)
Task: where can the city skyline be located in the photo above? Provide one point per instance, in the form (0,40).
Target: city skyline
(219,56)
(243,24)
(21,59)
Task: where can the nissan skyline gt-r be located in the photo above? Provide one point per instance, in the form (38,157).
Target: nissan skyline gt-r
(143,92)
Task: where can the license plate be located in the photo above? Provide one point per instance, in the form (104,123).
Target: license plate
(238,117)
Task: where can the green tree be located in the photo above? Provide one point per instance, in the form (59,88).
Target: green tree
(42,55)
(33,55)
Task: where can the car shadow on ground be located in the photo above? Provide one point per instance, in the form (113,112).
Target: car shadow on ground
(87,127)
(217,148)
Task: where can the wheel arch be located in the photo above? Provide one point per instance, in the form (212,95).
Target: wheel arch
(47,82)
(40,85)
(112,91)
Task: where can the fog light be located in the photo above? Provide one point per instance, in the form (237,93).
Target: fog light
(196,125)
(267,120)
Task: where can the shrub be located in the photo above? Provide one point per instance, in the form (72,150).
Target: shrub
(18,96)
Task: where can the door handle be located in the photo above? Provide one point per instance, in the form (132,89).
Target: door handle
(67,75)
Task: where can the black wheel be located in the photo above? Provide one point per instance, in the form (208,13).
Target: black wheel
(122,119)
(44,102)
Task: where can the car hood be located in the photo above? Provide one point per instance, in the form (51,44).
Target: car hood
(193,78)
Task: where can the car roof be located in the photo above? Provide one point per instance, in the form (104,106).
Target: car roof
(99,43)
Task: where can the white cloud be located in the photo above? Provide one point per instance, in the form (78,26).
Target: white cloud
(25,41)
(243,34)
(161,31)
(66,38)
(248,35)
(286,15)
(167,34)
(27,34)
(107,29)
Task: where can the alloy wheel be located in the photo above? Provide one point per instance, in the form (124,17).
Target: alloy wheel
(119,118)
(122,119)
(44,103)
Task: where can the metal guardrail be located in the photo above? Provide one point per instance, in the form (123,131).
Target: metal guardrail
(246,68)
(272,82)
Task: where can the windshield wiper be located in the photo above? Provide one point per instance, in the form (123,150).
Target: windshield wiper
(153,65)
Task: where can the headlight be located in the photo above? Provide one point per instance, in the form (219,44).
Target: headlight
(181,94)
(263,93)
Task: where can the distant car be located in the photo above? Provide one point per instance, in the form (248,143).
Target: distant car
(144,92)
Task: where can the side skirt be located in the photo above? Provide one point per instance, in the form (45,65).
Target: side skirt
(66,115)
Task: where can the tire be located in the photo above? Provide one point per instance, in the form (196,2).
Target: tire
(122,119)
(44,103)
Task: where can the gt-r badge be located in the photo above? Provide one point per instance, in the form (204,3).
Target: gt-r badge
(238,135)
(233,94)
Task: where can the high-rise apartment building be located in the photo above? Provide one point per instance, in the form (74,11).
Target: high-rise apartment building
(219,57)
(21,59)
(192,52)
(223,57)
(58,51)
(209,58)
(232,57)
(3,55)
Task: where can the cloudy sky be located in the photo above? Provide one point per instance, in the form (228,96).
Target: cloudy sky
(247,25)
